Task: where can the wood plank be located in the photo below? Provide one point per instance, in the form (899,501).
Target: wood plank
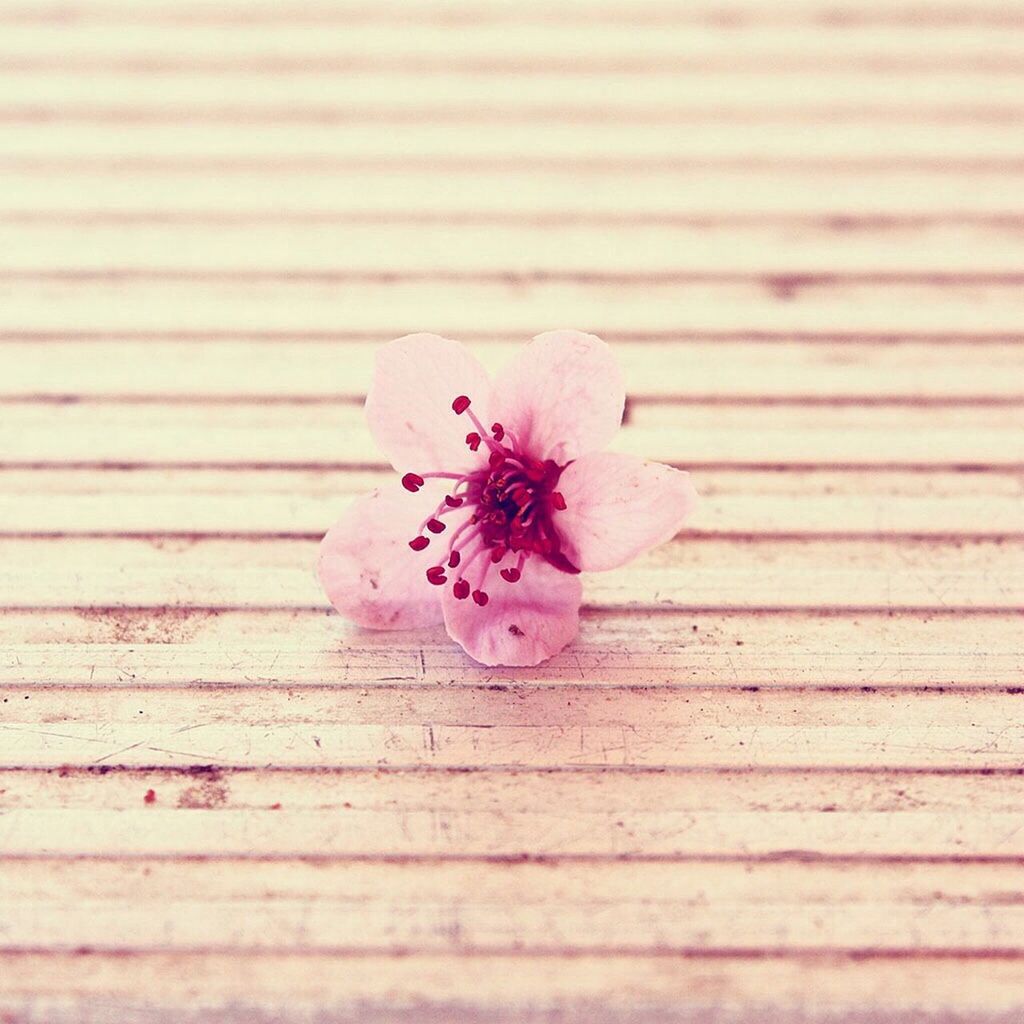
(302,501)
(576,726)
(383,306)
(505,989)
(538,115)
(31,112)
(485,907)
(446,189)
(736,13)
(760,884)
(712,435)
(208,813)
(153,647)
(763,245)
(507,141)
(589,42)
(858,794)
(692,370)
(603,92)
(695,574)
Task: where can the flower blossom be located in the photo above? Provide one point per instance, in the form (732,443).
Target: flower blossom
(505,496)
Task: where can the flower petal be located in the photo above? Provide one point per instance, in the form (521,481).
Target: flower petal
(409,404)
(618,506)
(563,395)
(368,570)
(524,623)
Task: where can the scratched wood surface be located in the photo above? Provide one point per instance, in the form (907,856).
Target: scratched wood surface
(779,776)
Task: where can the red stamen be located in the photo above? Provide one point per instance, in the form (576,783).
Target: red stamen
(510,507)
(481,598)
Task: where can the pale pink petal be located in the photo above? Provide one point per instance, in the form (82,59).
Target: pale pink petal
(368,570)
(618,506)
(562,395)
(409,404)
(523,623)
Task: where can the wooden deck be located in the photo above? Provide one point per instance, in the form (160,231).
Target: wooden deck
(779,776)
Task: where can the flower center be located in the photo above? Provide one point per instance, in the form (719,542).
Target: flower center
(513,501)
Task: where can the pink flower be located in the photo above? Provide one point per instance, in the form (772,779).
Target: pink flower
(505,496)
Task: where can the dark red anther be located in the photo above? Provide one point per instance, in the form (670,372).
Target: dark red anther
(558,501)
(435,526)
(451,501)
(481,598)
(460,405)
(453,560)
(512,575)
(412,482)
(498,431)
(498,553)
(496,459)
(435,575)
(473,439)
(534,471)
(461,589)
(419,543)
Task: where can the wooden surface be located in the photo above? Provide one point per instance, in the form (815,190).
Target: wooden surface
(778,778)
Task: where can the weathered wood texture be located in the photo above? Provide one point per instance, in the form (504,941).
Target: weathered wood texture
(779,775)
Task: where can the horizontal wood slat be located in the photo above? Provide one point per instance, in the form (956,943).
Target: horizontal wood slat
(872,574)
(766,245)
(126,299)
(506,989)
(571,140)
(604,93)
(204,812)
(335,435)
(142,647)
(303,501)
(589,42)
(739,13)
(520,791)
(164,906)
(335,115)
(564,189)
(480,728)
(688,371)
